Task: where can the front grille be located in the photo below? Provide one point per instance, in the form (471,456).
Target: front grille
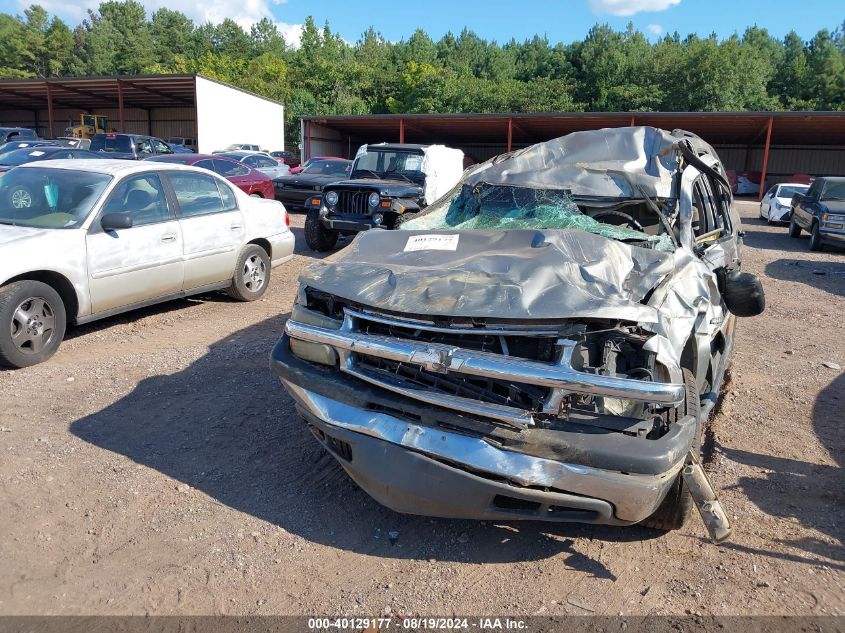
(491,391)
(479,339)
(352,202)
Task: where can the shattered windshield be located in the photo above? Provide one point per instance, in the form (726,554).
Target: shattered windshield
(503,207)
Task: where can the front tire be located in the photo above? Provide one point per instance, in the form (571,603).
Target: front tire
(676,507)
(252,274)
(794,229)
(317,236)
(32,323)
(816,238)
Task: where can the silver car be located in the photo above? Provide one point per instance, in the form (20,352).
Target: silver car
(85,239)
(264,163)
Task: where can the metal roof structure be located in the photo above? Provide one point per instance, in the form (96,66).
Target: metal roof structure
(512,130)
(85,93)
(813,128)
(140,91)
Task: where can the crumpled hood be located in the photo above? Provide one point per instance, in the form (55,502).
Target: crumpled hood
(523,274)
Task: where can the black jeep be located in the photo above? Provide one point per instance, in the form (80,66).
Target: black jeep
(386,187)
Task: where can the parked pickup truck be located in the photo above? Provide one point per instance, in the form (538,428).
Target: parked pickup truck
(545,341)
(820,212)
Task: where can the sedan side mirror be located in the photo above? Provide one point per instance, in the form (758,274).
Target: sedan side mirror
(743,293)
(116,221)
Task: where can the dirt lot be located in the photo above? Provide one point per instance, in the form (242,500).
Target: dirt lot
(155,466)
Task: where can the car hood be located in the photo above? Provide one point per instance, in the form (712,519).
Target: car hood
(305,179)
(17,234)
(522,274)
(835,206)
(398,188)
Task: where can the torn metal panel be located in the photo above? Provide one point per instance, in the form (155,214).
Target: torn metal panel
(616,162)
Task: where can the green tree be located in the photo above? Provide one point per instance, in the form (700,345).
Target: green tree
(172,34)
(826,62)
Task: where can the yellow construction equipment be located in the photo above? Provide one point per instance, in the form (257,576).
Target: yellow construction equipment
(89,125)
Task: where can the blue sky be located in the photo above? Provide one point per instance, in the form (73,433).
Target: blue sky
(564,20)
(560,20)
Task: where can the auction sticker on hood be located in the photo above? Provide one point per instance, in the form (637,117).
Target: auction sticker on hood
(432,243)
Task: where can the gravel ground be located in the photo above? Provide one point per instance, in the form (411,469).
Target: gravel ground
(155,466)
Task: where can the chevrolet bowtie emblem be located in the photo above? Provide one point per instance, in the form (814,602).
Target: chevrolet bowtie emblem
(434,360)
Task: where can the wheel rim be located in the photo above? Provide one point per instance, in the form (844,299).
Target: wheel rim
(33,325)
(254,273)
(21,199)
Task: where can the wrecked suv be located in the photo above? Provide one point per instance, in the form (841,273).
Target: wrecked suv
(543,342)
(389,184)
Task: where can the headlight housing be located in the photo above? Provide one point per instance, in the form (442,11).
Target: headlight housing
(331,198)
(373,200)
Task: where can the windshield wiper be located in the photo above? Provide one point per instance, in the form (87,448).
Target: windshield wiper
(398,173)
(371,171)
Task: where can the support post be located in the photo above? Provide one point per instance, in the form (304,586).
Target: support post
(121,115)
(307,140)
(401,130)
(510,134)
(765,159)
(50,132)
(633,120)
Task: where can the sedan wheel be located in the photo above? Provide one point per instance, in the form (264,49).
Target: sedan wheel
(33,320)
(33,323)
(254,273)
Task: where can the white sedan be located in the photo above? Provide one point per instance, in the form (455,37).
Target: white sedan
(776,204)
(85,239)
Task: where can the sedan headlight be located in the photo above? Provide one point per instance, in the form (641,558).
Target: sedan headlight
(373,200)
(331,198)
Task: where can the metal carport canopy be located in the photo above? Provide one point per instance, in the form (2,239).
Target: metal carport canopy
(804,127)
(512,129)
(89,93)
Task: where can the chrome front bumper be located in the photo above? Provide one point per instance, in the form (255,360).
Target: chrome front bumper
(423,470)
(561,377)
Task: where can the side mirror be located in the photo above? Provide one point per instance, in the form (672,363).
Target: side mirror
(743,293)
(116,221)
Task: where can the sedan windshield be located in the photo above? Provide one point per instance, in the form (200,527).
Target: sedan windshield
(21,156)
(49,198)
(788,192)
(327,167)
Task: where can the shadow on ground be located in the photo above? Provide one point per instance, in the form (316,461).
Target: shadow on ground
(301,248)
(225,426)
(811,494)
(824,275)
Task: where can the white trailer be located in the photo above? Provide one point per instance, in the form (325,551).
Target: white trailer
(226,115)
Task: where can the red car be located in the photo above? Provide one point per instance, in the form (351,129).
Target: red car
(245,178)
(299,168)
